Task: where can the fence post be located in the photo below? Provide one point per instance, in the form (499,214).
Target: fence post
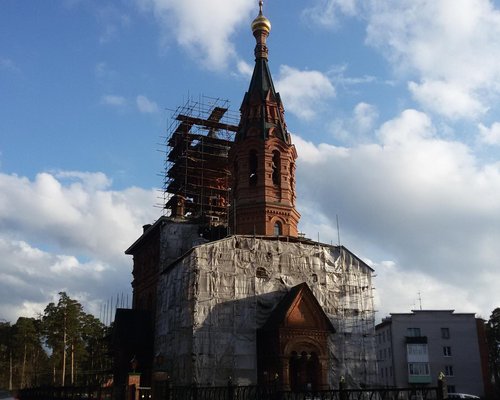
(442,391)
(342,389)
(167,388)
(230,389)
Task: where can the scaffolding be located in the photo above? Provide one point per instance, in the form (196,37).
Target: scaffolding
(196,180)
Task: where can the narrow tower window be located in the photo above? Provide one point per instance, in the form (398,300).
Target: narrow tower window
(278,228)
(276,168)
(235,178)
(252,166)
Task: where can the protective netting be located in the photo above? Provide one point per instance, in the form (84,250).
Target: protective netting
(212,301)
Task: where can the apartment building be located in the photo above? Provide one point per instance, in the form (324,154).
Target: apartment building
(414,348)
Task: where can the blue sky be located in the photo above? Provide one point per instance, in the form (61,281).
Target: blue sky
(393,107)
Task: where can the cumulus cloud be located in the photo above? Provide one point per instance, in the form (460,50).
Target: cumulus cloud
(451,46)
(145,105)
(394,294)
(448,99)
(113,100)
(303,92)
(244,69)
(358,127)
(206,39)
(66,231)
(490,135)
(428,203)
(326,12)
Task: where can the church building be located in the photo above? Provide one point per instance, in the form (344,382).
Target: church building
(232,288)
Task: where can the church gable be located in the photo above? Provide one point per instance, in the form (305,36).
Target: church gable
(301,315)
(299,309)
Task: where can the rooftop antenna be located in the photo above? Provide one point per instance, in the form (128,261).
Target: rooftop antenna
(338,229)
(420,301)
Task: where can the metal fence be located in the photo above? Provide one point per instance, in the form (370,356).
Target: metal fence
(232,392)
(66,393)
(163,391)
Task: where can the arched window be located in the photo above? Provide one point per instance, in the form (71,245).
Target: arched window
(276,165)
(252,166)
(278,230)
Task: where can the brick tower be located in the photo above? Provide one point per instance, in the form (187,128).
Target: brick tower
(262,158)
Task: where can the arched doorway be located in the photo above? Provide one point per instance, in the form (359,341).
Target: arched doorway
(293,343)
(306,363)
(304,371)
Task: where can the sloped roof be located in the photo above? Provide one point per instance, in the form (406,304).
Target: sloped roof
(302,297)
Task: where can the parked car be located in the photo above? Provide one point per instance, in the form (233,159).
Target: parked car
(462,396)
(6,395)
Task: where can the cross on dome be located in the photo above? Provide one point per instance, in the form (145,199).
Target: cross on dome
(261,23)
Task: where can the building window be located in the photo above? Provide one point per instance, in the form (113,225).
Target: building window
(448,370)
(447,351)
(445,333)
(276,166)
(278,229)
(252,166)
(420,369)
(416,349)
(235,177)
(413,332)
(451,389)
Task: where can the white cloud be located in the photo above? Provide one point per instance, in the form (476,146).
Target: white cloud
(103,71)
(113,100)
(426,204)
(448,99)
(66,231)
(145,105)
(490,135)
(357,128)
(303,92)
(203,28)
(394,293)
(244,69)
(451,46)
(326,12)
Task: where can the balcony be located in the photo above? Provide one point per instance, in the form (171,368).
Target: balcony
(416,339)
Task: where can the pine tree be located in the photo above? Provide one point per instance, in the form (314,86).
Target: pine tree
(493,335)
(6,363)
(28,349)
(62,328)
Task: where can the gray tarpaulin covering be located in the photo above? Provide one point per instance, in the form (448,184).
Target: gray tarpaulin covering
(213,299)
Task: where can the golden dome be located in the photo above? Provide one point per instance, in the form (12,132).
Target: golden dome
(261,23)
